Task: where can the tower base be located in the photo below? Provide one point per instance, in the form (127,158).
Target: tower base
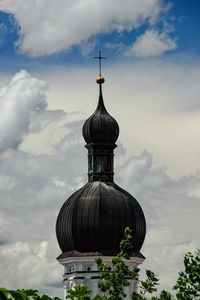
(84,270)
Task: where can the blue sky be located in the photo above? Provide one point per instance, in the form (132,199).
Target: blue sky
(182,18)
(48,89)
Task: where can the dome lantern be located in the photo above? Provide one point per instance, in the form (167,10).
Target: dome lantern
(92,221)
(100,132)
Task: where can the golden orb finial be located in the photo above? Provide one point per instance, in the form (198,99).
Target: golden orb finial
(100,80)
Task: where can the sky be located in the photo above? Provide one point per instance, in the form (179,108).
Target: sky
(48,89)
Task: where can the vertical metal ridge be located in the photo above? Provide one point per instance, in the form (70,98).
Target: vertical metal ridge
(91,220)
(122,218)
(86,213)
(94,218)
(75,230)
(64,222)
(139,225)
(79,218)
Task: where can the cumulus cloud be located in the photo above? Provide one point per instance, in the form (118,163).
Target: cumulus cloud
(30,263)
(33,187)
(48,26)
(159,100)
(22,96)
(152,43)
(38,185)
(171,209)
(23,109)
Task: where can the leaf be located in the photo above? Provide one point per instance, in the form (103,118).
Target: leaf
(188,282)
(79,292)
(18,295)
(4,294)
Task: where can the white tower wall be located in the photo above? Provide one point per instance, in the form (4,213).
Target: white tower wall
(84,270)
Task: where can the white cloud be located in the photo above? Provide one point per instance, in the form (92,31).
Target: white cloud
(87,46)
(171,212)
(33,187)
(152,43)
(49,26)
(23,109)
(39,186)
(22,96)
(23,265)
(158,100)
(32,191)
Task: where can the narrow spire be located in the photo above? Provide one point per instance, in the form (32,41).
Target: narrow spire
(101,105)
(100,80)
(100,132)
(100,59)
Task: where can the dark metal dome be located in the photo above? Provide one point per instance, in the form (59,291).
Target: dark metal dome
(93,220)
(101,127)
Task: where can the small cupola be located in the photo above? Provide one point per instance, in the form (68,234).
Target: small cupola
(101,127)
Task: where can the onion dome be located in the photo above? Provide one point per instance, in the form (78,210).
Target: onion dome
(92,221)
(101,127)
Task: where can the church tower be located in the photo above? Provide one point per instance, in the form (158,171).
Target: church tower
(91,222)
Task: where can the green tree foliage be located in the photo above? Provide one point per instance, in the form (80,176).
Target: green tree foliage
(112,283)
(126,244)
(4,294)
(23,294)
(79,292)
(149,285)
(164,295)
(188,283)
(116,276)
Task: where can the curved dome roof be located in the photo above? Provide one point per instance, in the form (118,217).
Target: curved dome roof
(93,219)
(100,128)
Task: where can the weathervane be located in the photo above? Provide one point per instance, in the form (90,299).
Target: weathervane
(100,59)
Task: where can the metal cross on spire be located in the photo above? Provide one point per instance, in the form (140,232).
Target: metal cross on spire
(100,59)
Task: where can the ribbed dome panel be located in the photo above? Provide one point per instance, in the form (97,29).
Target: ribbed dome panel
(93,219)
(101,128)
